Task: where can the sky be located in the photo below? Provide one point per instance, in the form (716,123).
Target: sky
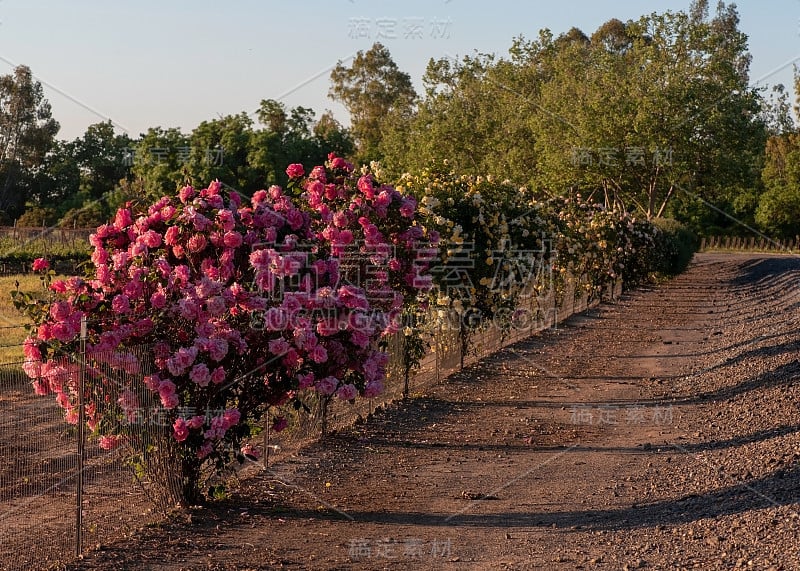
(176,63)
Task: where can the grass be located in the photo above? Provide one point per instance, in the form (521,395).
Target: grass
(12,322)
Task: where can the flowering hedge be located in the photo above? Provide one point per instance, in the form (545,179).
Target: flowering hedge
(246,305)
(501,243)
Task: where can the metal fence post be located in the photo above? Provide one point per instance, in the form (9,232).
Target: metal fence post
(81,423)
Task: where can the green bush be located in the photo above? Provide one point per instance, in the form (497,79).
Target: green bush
(91,215)
(37,217)
(675,246)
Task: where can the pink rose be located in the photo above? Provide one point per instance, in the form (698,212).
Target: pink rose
(305,381)
(347,392)
(231,417)
(327,386)
(171,235)
(278,346)
(318,173)
(345,237)
(186,194)
(158,300)
(31,349)
(123,219)
(295,219)
(188,308)
(151,239)
(319,354)
(110,442)
(218,376)
(170,401)
(63,332)
(180,429)
(60,311)
(200,374)
(41,265)
(197,243)
(166,388)
(217,349)
(295,170)
(216,305)
(226,220)
(232,239)
(152,382)
(44,332)
(121,304)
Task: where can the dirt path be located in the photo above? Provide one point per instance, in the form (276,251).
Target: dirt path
(661,431)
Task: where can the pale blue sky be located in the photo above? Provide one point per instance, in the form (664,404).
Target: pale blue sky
(175,63)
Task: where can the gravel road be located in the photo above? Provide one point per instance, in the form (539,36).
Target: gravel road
(661,431)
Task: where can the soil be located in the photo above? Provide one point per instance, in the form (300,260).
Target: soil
(660,431)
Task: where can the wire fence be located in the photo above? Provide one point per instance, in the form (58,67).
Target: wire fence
(749,244)
(65,248)
(446,356)
(61,491)
(64,490)
(53,236)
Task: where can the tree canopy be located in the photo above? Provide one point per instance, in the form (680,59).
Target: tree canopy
(655,115)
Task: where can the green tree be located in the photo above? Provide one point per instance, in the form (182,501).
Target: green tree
(27,132)
(220,149)
(651,107)
(159,160)
(371,89)
(293,136)
(778,210)
(104,159)
(57,179)
(331,136)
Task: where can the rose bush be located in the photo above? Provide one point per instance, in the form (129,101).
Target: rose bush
(245,305)
(494,250)
(501,243)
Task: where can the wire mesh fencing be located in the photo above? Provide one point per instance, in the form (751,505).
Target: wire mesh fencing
(38,468)
(447,354)
(65,488)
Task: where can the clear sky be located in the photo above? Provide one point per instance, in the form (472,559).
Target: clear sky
(175,63)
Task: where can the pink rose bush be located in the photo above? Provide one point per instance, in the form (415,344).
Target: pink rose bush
(244,305)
